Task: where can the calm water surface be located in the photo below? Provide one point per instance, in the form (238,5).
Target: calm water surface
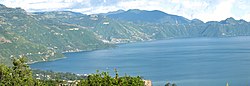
(187,62)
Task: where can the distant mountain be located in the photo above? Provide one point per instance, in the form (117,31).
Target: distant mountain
(41,37)
(14,23)
(196,21)
(154,16)
(44,36)
(172,26)
(113,12)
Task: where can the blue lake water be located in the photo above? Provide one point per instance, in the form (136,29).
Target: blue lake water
(186,62)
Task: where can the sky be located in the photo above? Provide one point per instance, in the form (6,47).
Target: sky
(205,10)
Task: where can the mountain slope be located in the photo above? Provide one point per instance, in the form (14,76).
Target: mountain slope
(41,40)
(154,16)
(163,25)
(43,36)
(13,45)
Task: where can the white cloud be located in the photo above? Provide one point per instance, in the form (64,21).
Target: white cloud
(38,4)
(206,10)
(246,17)
(140,4)
(101,9)
(190,4)
(221,12)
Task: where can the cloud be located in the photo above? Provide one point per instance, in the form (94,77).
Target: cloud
(206,10)
(220,11)
(246,16)
(42,5)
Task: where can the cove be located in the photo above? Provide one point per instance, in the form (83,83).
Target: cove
(186,62)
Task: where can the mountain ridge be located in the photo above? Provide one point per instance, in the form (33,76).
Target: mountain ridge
(120,11)
(43,36)
(154,16)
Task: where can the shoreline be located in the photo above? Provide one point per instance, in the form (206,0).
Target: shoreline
(116,45)
(153,81)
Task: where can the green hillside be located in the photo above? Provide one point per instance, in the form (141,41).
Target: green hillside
(43,36)
(27,34)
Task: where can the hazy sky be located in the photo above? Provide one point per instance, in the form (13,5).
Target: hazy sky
(206,10)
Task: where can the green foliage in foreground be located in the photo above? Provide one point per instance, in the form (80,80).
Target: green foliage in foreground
(21,75)
(104,79)
(18,75)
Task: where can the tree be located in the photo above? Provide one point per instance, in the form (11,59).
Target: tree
(21,75)
(174,84)
(104,79)
(168,84)
(5,75)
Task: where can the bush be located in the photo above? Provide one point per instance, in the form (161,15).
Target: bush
(104,79)
(21,75)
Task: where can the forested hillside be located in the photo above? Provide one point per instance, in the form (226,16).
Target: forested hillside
(43,36)
(27,34)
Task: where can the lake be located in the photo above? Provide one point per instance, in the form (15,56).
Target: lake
(186,62)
